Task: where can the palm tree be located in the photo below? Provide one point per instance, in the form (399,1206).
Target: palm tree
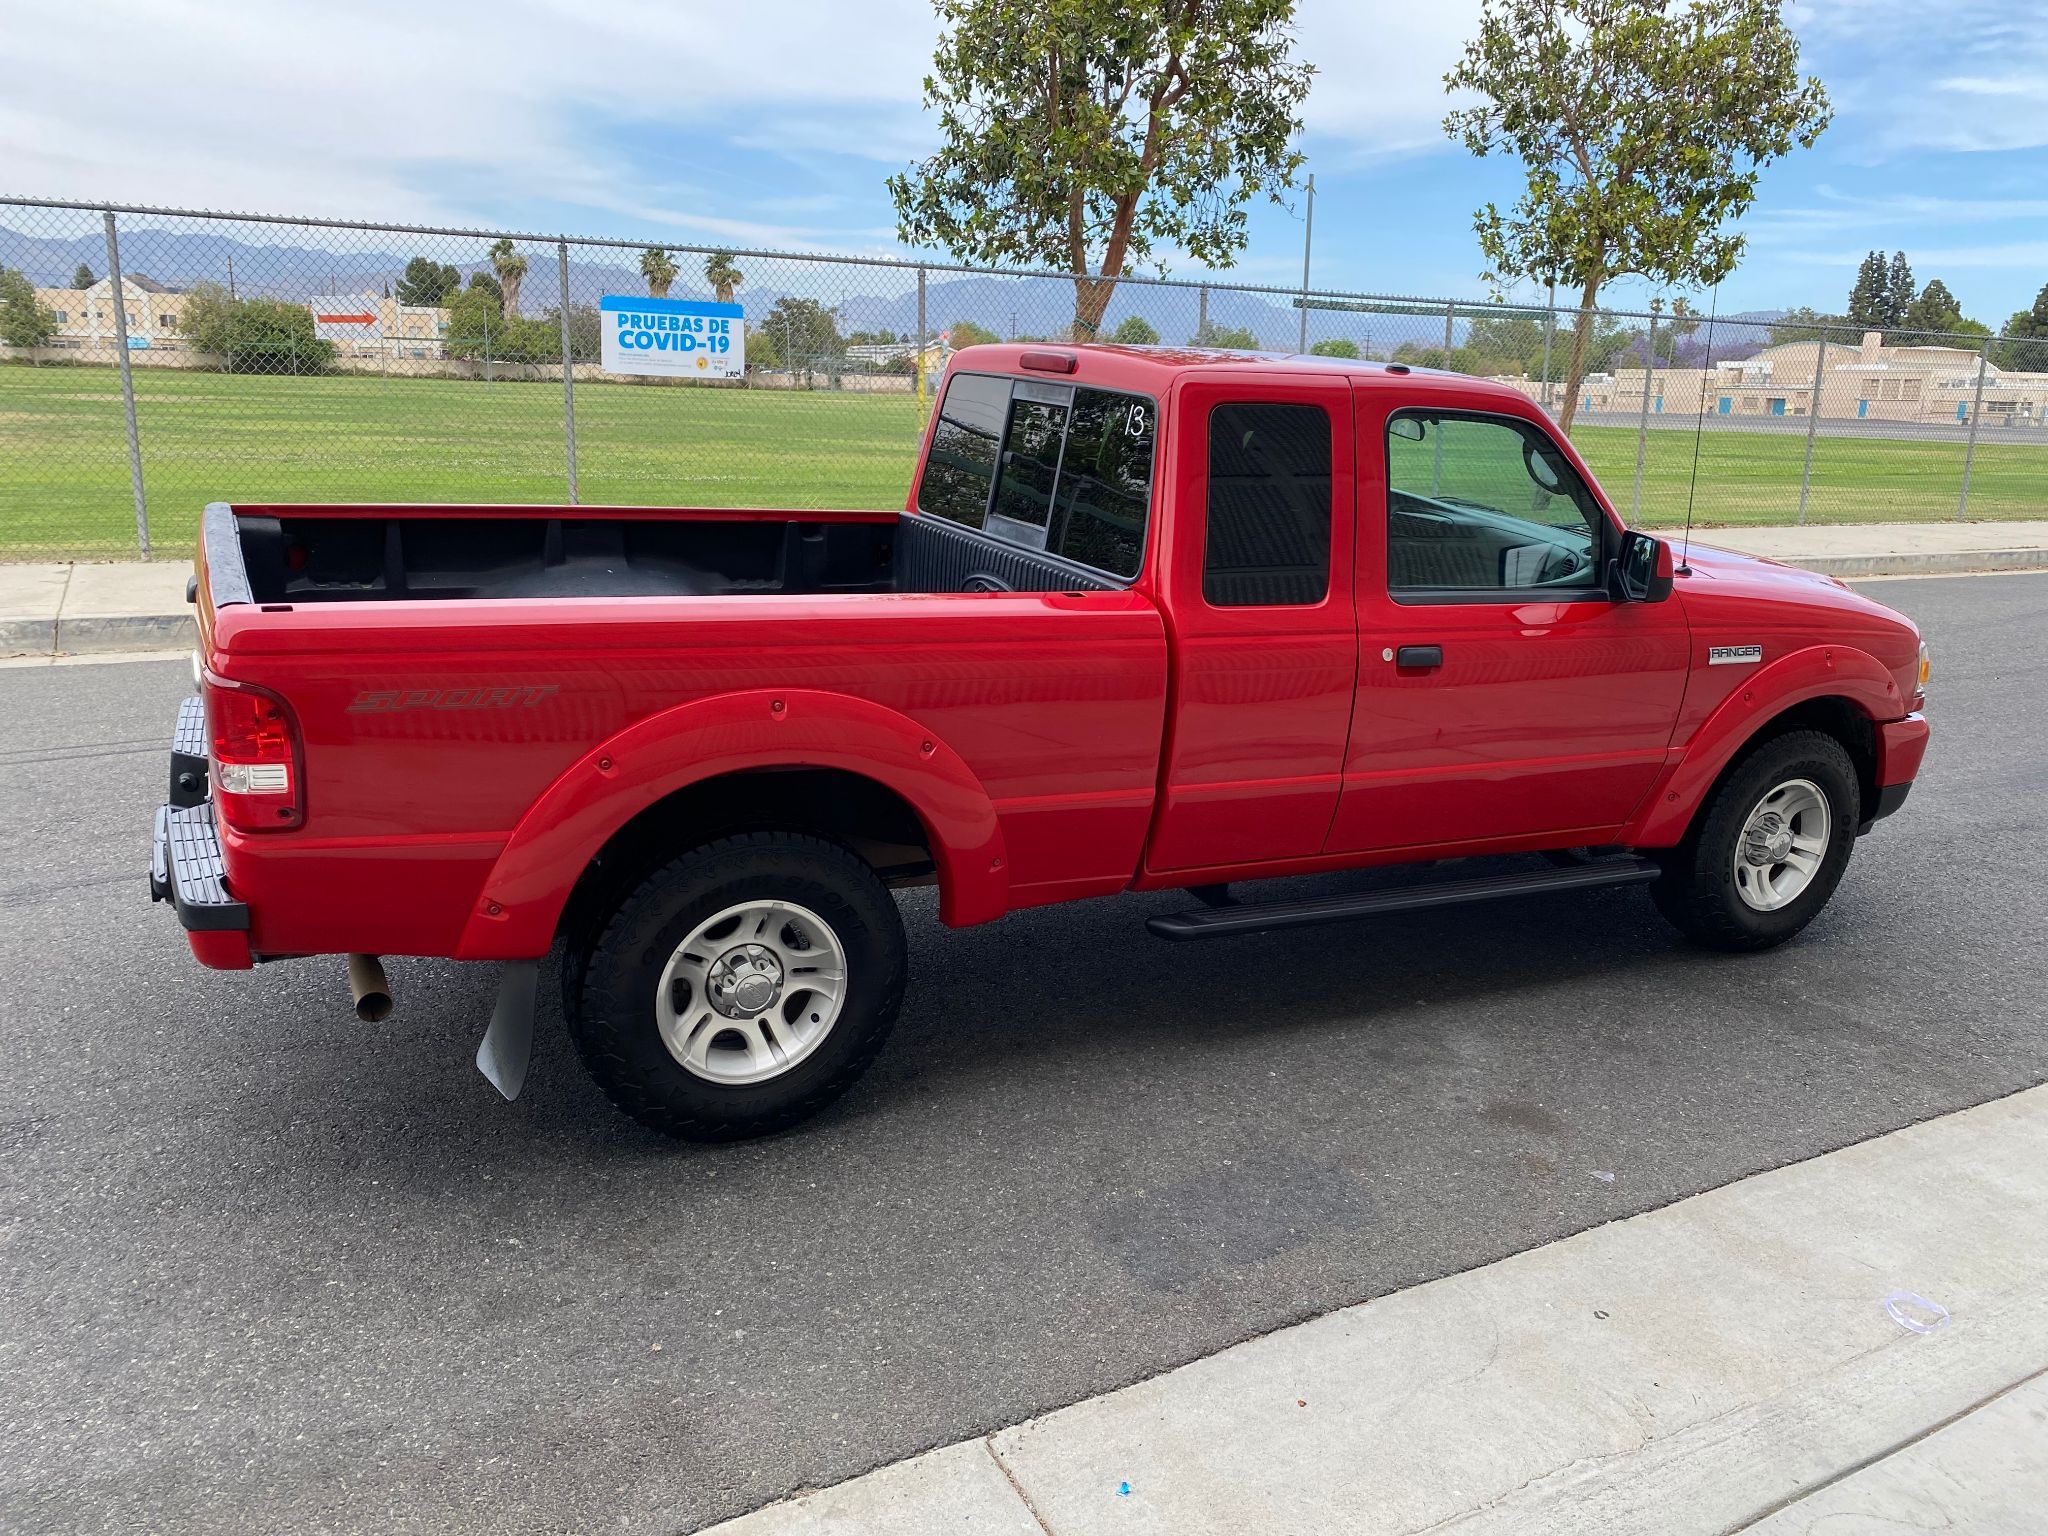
(659,268)
(722,275)
(511,269)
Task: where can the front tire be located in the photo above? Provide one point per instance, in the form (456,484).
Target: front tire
(740,988)
(1769,847)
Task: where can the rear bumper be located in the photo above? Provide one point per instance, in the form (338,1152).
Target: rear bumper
(186,868)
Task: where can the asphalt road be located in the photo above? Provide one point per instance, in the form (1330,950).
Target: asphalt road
(265,1268)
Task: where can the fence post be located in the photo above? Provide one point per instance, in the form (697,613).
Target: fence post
(920,340)
(568,361)
(127,387)
(1643,420)
(1549,326)
(1450,314)
(1202,317)
(1820,379)
(1976,410)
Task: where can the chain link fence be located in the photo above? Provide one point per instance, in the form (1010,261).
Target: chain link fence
(154,360)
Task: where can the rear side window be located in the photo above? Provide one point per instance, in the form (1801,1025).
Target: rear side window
(1055,467)
(962,462)
(1268,537)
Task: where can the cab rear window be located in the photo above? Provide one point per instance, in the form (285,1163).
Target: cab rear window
(1056,467)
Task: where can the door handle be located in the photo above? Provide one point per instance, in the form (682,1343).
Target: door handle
(1419,656)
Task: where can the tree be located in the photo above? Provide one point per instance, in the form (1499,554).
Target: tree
(1135,331)
(510,267)
(1808,324)
(253,335)
(1642,126)
(1084,134)
(25,320)
(1898,290)
(427,284)
(1229,338)
(1936,309)
(806,335)
(83,277)
(1336,346)
(659,268)
(965,333)
(722,275)
(2025,349)
(1870,295)
(476,320)
(488,284)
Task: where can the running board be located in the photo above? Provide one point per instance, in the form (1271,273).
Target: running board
(1259,917)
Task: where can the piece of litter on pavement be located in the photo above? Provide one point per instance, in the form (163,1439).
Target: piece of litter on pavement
(1915,1313)
(1604,1178)
(1123,1490)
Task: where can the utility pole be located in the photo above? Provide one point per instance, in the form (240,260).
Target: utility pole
(1308,234)
(231,274)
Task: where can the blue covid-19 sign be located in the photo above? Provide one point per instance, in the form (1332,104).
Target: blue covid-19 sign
(676,338)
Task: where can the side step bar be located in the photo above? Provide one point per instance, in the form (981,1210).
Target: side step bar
(1218,922)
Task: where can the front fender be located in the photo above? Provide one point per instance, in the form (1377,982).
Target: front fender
(522,900)
(1815,672)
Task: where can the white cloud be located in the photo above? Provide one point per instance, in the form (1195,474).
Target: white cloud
(1379,85)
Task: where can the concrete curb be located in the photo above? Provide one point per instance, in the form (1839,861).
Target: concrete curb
(1961,563)
(126,632)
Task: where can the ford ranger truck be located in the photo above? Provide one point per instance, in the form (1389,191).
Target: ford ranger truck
(1152,619)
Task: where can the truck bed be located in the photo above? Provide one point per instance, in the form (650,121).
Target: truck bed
(371,552)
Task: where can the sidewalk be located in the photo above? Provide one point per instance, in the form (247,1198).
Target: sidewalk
(90,609)
(1728,1363)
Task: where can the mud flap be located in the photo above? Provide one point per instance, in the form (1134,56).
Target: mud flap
(508,1044)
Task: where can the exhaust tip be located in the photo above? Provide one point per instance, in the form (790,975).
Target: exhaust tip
(369,988)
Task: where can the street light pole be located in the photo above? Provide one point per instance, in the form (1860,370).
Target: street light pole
(1308,234)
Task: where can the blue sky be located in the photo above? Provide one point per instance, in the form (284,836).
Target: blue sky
(776,125)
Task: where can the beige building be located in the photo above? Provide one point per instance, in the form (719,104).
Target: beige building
(85,316)
(1868,381)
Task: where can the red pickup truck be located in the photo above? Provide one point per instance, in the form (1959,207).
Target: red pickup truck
(1153,619)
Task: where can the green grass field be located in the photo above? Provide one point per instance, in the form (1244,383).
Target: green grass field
(64,481)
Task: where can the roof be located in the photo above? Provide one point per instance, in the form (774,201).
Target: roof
(1113,365)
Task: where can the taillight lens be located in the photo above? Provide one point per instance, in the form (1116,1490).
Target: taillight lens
(258,769)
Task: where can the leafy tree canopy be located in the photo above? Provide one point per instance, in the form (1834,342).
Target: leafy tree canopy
(965,333)
(1335,346)
(1135,331)
(25,320)
(253,335)
(426,283)
(1641,125)
(659,268)
(83,278)
(2025,348)
(1231,338)
(1088,134)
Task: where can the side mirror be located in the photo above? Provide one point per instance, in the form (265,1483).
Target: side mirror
(1643,571)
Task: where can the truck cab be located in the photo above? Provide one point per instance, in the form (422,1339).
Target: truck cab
(1152,618)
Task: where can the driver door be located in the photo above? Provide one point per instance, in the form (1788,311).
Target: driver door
(1504,696)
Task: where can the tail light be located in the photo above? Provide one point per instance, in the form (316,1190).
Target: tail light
(259,780)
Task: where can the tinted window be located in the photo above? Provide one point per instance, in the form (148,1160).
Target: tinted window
(1486,505)
(1105,485)
(1045,466)
(1268,539)
(962,464)
(1030,463)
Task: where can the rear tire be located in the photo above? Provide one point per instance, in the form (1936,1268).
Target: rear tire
(740,988)
(1768,848)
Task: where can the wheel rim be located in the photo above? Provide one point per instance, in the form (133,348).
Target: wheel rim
(751,992)
(1782,845)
